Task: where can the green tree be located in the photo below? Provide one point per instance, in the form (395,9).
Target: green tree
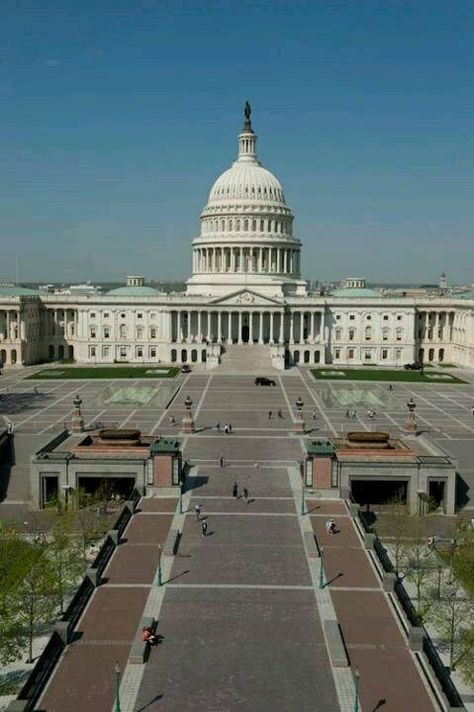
(415,553)
(89,521)
(394,527)
(65,557)
(14,557)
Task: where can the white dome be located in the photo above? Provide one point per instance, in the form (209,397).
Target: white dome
(249,182)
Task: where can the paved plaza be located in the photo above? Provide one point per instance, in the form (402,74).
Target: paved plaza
(241,613)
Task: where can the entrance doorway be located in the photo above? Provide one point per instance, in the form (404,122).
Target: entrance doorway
(436,490)
(381,492)
(49,490)
(245,334)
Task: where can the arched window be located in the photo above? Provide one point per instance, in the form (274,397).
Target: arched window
(223,225)
(184,355)
(237,225)
(51,351)
(203,356)
(262,225)
(123,331)
(246,225)
(194,355)
(173,355)
(317,357)
(385,333)
(296,357)
(399,334)
(13,356)
(306,356)
(368,333)
(254,225)
(231,224)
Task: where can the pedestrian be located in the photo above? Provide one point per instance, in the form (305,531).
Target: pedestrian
(230,428)
(197,510)
(172,420)
(347,413)
(354,415)
(314,415)
(204,528)
(226,429)
(221,461)
(269,415)
(235,490)
(257,467)
(280,414)
(35,390)
(245,494)
(472,410)
(390,388)
(331,526)
(328,526)
(218,427)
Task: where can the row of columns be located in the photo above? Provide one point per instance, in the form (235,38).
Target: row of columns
(244,259)
(263,326)
(433,323)
(11,327)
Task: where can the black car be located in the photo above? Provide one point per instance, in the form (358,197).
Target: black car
(264,381)
(186,368)
(415,366)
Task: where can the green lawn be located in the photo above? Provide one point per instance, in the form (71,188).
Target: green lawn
(89,372)
(379,374)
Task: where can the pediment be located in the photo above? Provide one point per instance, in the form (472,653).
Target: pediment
(246,298)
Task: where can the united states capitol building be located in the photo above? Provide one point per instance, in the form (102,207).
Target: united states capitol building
(246,301)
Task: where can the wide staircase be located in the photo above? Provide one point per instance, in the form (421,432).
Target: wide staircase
(246,358)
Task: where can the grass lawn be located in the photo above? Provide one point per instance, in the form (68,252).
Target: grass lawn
(89,372)
(379,374)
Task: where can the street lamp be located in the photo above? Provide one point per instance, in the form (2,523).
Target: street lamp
(181,483)
(356,683)
(299,405)
(188,421)
(160,571)
(117,688)
(321,569)
(303,508)
(411,405)
(298,425)
(188,403)
(77,423)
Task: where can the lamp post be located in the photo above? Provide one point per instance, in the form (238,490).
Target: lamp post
(303,508)
(321,569)
(188,420)
(410,423)
(181,483)
(77,422)
(160,571)
(357,684)
(117,688)
(299,425)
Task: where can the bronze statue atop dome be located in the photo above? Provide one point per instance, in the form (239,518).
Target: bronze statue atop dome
(247,114)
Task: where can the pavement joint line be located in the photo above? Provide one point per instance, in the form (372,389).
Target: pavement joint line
(436,407)
(343,678)
(129,416)
(202,398)
(216,496)
(63,419)
(165,409)
(68,395)
(272,587)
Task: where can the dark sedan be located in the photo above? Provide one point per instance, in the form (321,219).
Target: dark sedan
(264,381)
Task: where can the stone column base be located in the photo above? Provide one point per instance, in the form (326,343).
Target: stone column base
(298,426)
(188,424)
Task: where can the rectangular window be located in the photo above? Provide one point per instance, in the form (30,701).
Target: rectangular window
(123,352)
(368,355)
(93,333)
(338,316)
(92,351)
(106,315)
(152,353)
(350,354)
(153,316)
(152,333)
(139,351)
(338,334)
(351,317)
(92,315)
(399,317)
(384,354)
(106,332)
(105,351)
(385,317)
(398,354)
(337,353)
(351,334)
(139,316)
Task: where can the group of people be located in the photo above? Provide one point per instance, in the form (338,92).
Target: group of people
(331,527)
(371,413)
(200,518)
(227,428)
(235,492)
(149,636)
(351,414)
(279,414)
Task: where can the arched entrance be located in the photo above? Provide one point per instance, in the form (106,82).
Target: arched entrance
(245,333)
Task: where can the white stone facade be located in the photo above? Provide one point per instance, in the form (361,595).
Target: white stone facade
(246,288)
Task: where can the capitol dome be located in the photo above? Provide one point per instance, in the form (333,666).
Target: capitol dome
(246,230)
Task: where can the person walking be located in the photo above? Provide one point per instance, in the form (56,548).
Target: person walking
(172,420)
(204,528)
(197,511)
(221,461)
(348,415)
(235,490)
(218,427)
(354,415)
(245,494)
(226,429)
(230,429)
(269,415)
(314,415)
(390,388)
(280,413)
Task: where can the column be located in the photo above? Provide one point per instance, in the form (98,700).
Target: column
(232,259)
(199,326)
(229,328)
(292,334)
(260,328)
(180,325)
(241,260)
(219,327)
(251,327)
(271,326)
(239,339)
(282,333)
(8,335)
(302,327)
(260,260)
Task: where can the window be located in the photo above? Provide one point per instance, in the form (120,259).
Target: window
(368,333)
(351,317)
(384,354)
(93,333)
(139,351)
(399,317)
(351,334)
(153,316)
(385,317)
(338,334)
(399,334)
(123,331)
(106,315)
(139,316)
(92,315)
(337,353)
(398,354)
(153,353)
(385,333)
(420,333)
(152,333)
(106,332)
(122,316)
(368,317)
(92,351)
(338,316)
(440,333)
(123,352)
(350,354)
(139,332)
(105,351)
(367,355)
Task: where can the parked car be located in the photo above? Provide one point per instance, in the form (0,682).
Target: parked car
(264,381)
(415,366)
(186,368)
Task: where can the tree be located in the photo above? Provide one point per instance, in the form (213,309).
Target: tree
(14,553)
(395,527)
(35,595)
(415,553)
(89,521)
(65,557)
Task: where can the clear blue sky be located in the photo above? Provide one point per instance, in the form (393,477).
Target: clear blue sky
(118,115)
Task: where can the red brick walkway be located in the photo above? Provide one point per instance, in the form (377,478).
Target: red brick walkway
(375,643)
(84,677)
